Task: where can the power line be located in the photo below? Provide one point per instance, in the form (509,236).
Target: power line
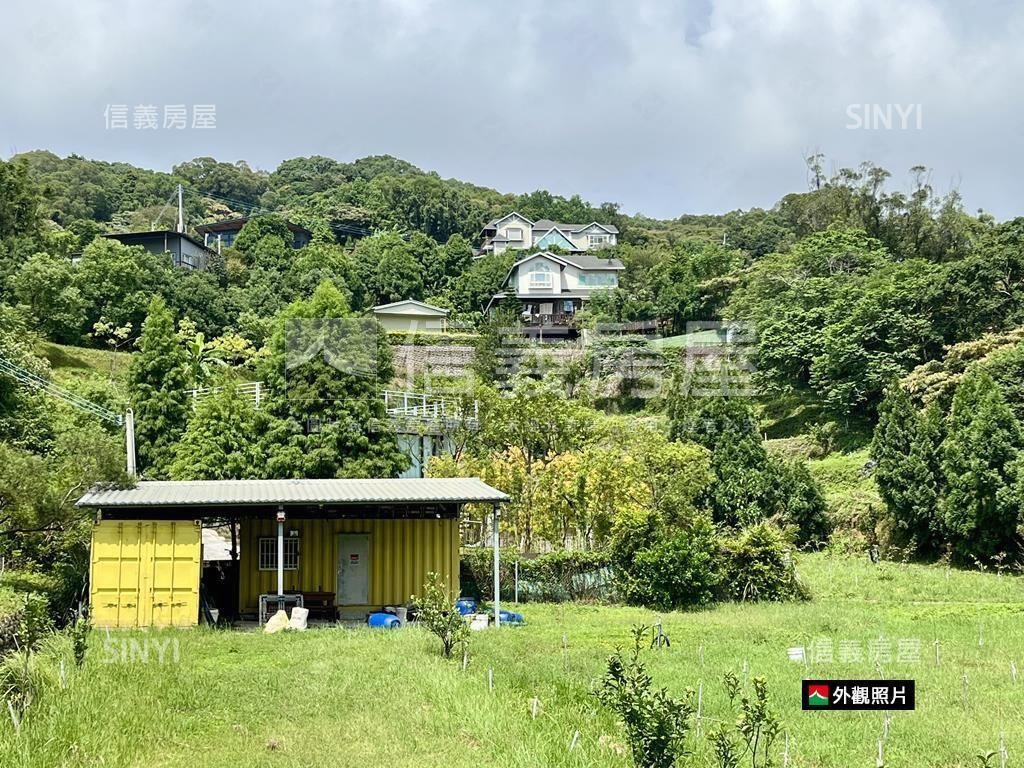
(35,381)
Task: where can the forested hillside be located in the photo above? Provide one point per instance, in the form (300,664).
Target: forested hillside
(871,301)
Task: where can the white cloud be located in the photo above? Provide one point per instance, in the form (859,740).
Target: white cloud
(665,107)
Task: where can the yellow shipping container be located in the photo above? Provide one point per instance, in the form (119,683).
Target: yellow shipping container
(367,563)
(145,573)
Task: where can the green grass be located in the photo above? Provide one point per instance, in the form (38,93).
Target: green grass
(71,364)
(711,337)
(851,495)
(354,697)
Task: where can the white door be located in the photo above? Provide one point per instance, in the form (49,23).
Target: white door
(353,569)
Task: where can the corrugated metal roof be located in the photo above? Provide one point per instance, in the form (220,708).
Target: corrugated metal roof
(158,493)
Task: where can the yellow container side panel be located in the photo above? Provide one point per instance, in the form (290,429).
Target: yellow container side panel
(402,553)
(145,573)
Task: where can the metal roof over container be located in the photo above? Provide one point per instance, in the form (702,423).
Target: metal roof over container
(294,492)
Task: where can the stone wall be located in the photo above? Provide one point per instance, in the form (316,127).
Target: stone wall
(438,359)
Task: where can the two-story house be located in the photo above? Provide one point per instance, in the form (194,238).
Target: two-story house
(549,289)
(515,231)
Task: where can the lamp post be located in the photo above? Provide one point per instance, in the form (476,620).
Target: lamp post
(280,550)
(496,540)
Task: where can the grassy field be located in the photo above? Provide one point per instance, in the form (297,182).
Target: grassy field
(70,364)
(850,493)
(354,697)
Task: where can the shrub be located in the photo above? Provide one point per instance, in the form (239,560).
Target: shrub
(759,565)
(656,724)
(683,569)
(825,437)
(754,732)
(437,613)
(25,623)
(804,503)
(557,576)
(79,632)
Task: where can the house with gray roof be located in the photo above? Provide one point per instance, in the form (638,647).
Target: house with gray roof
(548,289)
(515,231)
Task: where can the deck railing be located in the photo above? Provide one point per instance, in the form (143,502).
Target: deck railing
(426,407)
(400,406)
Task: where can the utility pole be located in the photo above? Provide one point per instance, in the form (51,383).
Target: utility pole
(181,211)
(35,381)
(129,441)
(496,543)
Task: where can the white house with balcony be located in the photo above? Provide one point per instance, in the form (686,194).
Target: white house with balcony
(548,289)
(516,232)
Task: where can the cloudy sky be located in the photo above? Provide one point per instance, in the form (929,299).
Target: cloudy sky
(664,106)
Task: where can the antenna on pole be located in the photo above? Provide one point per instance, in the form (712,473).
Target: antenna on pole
(181,211)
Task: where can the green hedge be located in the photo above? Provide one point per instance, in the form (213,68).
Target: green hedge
(445,338)
(553,577)
(684,569)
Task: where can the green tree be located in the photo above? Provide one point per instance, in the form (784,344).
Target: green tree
(118,281)
(445,263)
(237,183)
(690,284)
(266,242)
(198,296)
(750,485)
(321,261)
(324,370)
(399,276)
(157,383)
(40,527)
(983,439)
(987,286)
(23,411)
(472,291)
(220,441)
(44,287)
(836,314)
(905,447)
(20,221)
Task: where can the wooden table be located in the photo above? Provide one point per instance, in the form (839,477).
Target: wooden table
(319,604)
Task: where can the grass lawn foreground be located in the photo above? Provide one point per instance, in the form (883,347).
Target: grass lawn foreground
(356,697)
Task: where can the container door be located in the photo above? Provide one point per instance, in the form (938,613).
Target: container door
(353,569)
(145,573)
(116,573)
(176,567)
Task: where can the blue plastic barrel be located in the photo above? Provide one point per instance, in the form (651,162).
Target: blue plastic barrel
(466,606)
(383,621)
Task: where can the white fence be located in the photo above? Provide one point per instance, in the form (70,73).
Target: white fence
(406,406)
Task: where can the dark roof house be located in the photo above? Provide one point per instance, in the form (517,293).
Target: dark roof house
(185,250)
(227,230)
